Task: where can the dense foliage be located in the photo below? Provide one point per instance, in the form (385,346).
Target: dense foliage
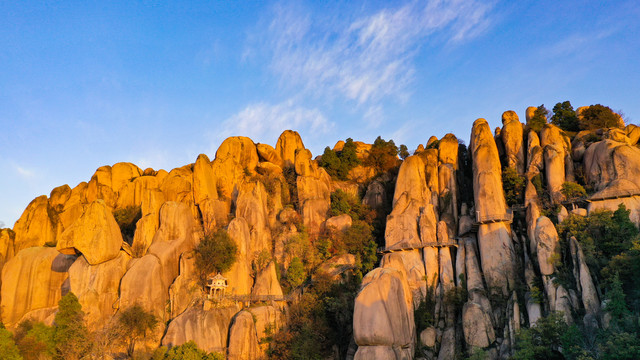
(597,117)
(383,155)
(71,336)
(573,191)
(513,186)
(188,351)
(8,348)
(215,253)
(134,325)
(539,118)
(339,163)
(565,117)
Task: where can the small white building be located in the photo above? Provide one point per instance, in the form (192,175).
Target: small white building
(217,286)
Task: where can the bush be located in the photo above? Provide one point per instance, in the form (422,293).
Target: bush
(344,203)
(296,274)
(513,186)
(404,152)
(573,191)
(134,324)
(383,155)
(8,348)
(35,340)
(539,118)
(215,253)
(71,336)
(338,164)
(190,351)
(565,117)
(597,117)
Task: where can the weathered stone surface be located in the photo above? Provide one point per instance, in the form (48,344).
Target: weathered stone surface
(448,344)
(177,234)
(553,146)
(123,173)
(476,325)
(448,150)
(204,180)
(512,135)
(376,352)
(547,245)
(207,328)
(267,318)
(239,276)
(631,203)
(59,197)
(33,279)
(95,235)
(607,160)
(529,112)
(633,133)
(428,337)
(268,153)
(243,340)
(428,234)
(143,285)
(583,278)
(339,223)
(186,287)
(411,266)
(35,227)
(337,265)
(96,287)
(314,196)
(288,143)
(267,282)
(382,314)
(7,237)
(494,240)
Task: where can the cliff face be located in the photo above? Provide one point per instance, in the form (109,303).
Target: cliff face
(449,235)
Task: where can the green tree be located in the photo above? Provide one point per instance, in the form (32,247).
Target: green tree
(597,117)
(134,324)
(215,253)
(295,273)
(572,190)
(539,118)
(348,155)
(338,164)
(616,304)
(8,348)
(404,152)
(71,336)
(383,155)
(35,340)
(513,186)
(542,340)
(190,351)
(565,117)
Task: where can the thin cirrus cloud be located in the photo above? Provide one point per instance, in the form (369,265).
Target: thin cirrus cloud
(265,122)
(370,58)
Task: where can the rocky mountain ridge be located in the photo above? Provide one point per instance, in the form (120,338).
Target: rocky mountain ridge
(450,237)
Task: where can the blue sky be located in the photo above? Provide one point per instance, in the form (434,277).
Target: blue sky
(85,84)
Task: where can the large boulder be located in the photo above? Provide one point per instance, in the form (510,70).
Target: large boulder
(512,135)
(207,328)
(383,312)
(243,338)
(494,239)
(96,287)
(34,279)
(268,153)
(35,227)
(553,145)
(288,143)
(476,325)
(95,235)
(143,285)
(547,245)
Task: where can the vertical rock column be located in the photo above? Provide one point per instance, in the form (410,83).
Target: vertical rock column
(494,240)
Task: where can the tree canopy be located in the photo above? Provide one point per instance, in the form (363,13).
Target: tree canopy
(565,117)
(598,116)
(215,253)
(539,118)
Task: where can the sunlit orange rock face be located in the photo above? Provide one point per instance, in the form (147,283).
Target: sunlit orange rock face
(449,240)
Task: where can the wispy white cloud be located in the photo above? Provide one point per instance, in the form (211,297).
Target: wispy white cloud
(24,172)
(264,122)
(369,58)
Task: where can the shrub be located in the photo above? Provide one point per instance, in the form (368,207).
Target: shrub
(539,118)
(345,203)
(296,274)
(215,253)
(383,155)
(339,163)
(8,348)
(404,152)
(71,336)
(190,351)
(513,186)
(572,191)
(35,340)
(597,117)
(134,324)
(565,117)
